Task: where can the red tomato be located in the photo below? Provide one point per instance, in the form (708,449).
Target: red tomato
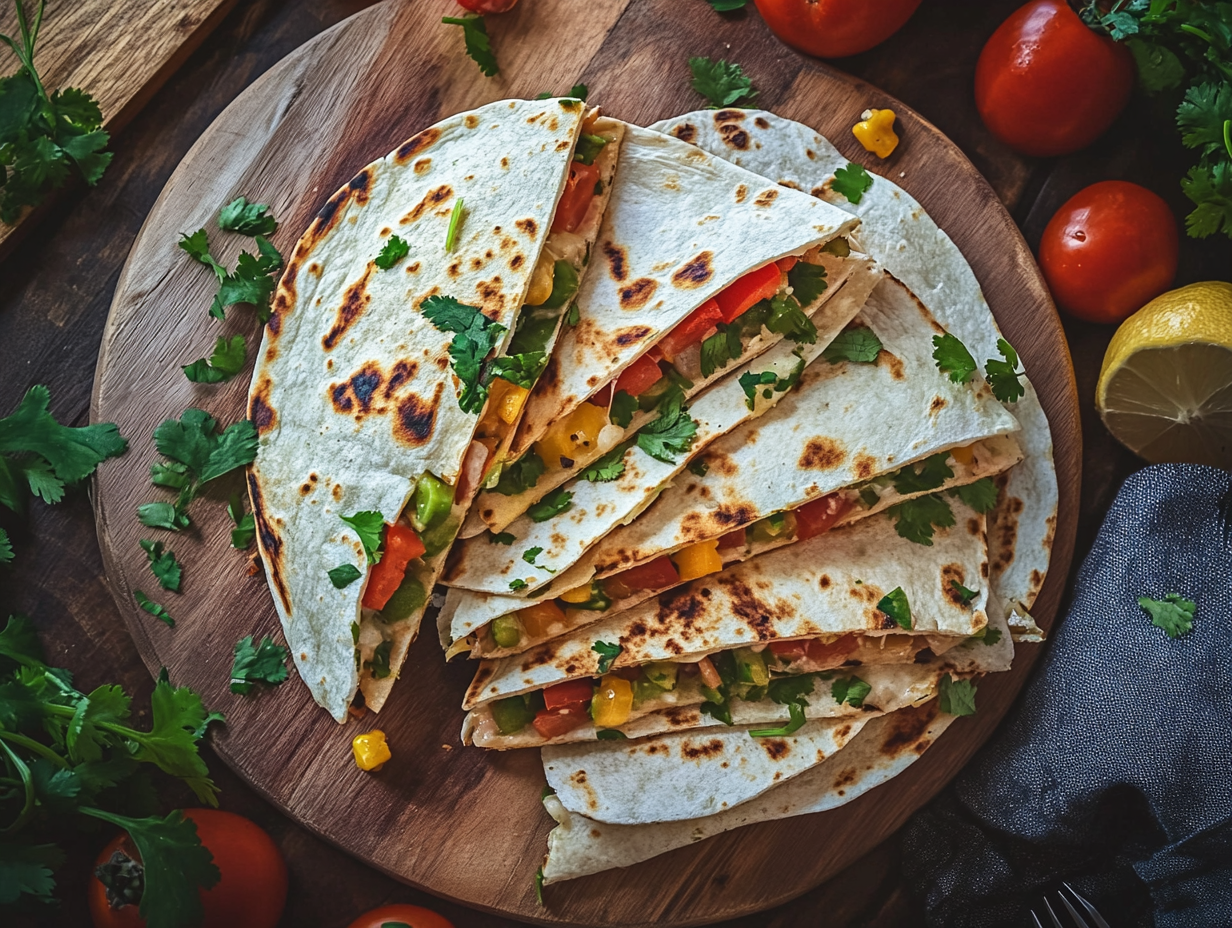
(1047,85)
(402,545)
(639,376)
(789,650)
(484,6)
(786,264)
(834,652)
(251,892)
(740,295)
(569,693)
(817,517)
(1109,250)
(410,916)
(656,574)
(551,723)
(736,539)
(835,28)
(603,398)
(691,330)
(579,191)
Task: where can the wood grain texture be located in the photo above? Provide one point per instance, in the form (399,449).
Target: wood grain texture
(120,53)
(466,824)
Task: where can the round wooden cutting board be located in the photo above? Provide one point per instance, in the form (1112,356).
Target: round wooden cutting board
(464,823)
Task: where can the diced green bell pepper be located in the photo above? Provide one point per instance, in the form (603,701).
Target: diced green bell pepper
(506,631)
(433,501)
(839,247)
(440,537)
(407,600)
(643,690)
(662,674)
(751,667)
(588,148)
(564,285)
(512,715)
(772,526)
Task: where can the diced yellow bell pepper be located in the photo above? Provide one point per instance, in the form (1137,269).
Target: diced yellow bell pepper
(579,594)
(370,750)
(541,280)
(573,435)
(876,132)
(698,560)
(511,403)
(613,702)
(963,455)
(538,619)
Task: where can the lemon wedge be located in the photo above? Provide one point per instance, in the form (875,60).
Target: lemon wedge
(1165,389)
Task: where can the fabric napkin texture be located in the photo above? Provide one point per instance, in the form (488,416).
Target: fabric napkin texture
(1114,770)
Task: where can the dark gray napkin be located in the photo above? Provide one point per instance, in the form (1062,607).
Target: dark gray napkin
(1114,770)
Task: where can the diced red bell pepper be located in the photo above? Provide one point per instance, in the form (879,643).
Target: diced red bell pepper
(402,545)
(814,518)
(639,376)
(570,693)
(691,330)
(789,650)
(736,539)
(834,652)
(752,288)
(603,397)
(655,575)
(786,264)
(551,723)
(579,190)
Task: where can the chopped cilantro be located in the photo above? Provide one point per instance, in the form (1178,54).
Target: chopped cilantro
(980,496)
(894,604)
(850,690)
(609,467)
(607,654)
(520,369)
(153,608)
(807,281)
(369,525)
(520,475)
(953,358)
(721,83)
(797,722)
(455,223)
(1174,614)
(852,182)
(788,319)
(478,45)
(671,432)
(916,518)
(957,696)
(529,556)
(857,344)
(516,585)
(749,382)
(784,690)
(475,336)
(379,665)
(247,218)
(245,525)
(226,361)
(263,663)
(1004,376)
(720,710)
(251,282)
(553,504)
(720,349)
(924,475)
(163,565)
(501,538)
(964,594)
(623,408)
(393,251)
(577,92)
(344,575)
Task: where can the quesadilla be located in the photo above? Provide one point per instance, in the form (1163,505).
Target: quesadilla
(824,456)
(386,339)
(698,269)
(858,594)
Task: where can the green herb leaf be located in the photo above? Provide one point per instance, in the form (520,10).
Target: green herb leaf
(379,665)
(607,654)
(916,518)
(369,525)
(788,319)
(953,358)
(520,475)
(1158,66)
(852,182)
(609,467)
(163,565)
(965,594)
(1210,187)
(623,408)
(1004,376)
(749,383)
(478,45)
(539,886)
(6,547)
(502,538)
(807,282)
(72,453)
(193,441)
(721,83)
(517,585)
(245,524)
(796,723)
(475,337)
(153,608)
(247,218)
(850,690)
(529,556)
(858,345)
(258,663)
(344,575)
(894,604)
(394,250)
(924,475)
(520,369)
(1174,614)
(553,504)
(455,223)
(957,696)
(671,432)
(980,496)
(226,361)
(784,690)
(251,282)
(719,350)
(197,246)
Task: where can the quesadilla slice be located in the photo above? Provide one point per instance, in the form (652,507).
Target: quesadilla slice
(386,342)
(853,440)
(698,268)
(858,595)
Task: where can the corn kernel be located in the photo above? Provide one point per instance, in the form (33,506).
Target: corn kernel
(370,750)
(541,280)
(612,703)
(963,455)
(579,594)
(876,132)
(698,560)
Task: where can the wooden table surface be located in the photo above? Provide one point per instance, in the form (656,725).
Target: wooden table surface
(56,287)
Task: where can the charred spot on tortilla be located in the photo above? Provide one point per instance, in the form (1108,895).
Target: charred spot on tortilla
(415,144)
(822,454)
(359,186)
(892,364)
(355,301)
(776,748)
(820,192)
(708,749)
(336,492)
(403,372)
(630,336)
(617,260)
(906,728)
(742,192)
(686,132)
(766,197)
(516,262)
(504,163)
(789,183)
(824,582)
(936,405)
(528,225)
(1005,533)
(416,418)
(974,527)
(734,137)
(260,410)
(731,115)
(638,293)
(271,542)
(432,199)
(694,273)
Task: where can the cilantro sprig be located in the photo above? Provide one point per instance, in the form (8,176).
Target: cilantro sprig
(1174,613)
(226,361)
(857,344)
(369,525)
(916,519)
(163,565)
(257,663)
(607,468)
(475,335)
(394,250)
(245,523)
(953,358)
(957,697)
(478,45)
(852,182)
(850,690)
(247,218)
(553,504)
(671,432)
(1004,376)
(807,281)
(722,83)
(252,281)
(520,475)
(607,654)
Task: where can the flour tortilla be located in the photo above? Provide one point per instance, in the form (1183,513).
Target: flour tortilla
(897,231)
(353,394)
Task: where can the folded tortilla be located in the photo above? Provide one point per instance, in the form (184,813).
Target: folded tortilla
(680,228)
(354,395)
(844,425)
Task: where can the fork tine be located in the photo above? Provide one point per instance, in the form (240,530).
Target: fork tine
(1053,915)
(1078,919)
(1038,923)
(1095,916)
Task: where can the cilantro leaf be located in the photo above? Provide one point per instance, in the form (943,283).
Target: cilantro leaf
(344,575)
(247,218)
(520,369)
(721,83)
(957,696)
(197,246)
(788,319)
(475,336)
(478,45)
(529,556)
(953,358)
(72,453)
(784,690)
(379,665)
(259,663)
(980,496)
(1158,66)
(26,870)
(369,525)
(394,250)
(1174,614)
(916,518)
(894,605)
(520,475)
(153,608)
(795,724)
(577,92)
(199,454)
(553,504)
(965,594)
(516,585)
(623,407)
(245,524)
(1004,376)
(671,432)
(852,182)
(251,282)
(749,382)
(719,350)
(807,282)
(857,344)
(162,515)
(850,690)
(163,565)
(609,467)
(924,475)
(6,547)
(226,361)
(607,654)
(610,734)
(1201,116)
(501,538)
(1210,187)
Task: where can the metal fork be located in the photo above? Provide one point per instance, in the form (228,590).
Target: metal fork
(1097,920)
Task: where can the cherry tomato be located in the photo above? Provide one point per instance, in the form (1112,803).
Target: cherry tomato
(690,330)
(835,28)
(252,890)
(1109,250)
(1047,85)
(412,916)
(487,6)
